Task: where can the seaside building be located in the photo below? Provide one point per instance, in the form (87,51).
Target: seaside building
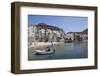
(45,33)
(77,36)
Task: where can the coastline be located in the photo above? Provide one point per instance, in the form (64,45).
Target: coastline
(44,44)
(41,44)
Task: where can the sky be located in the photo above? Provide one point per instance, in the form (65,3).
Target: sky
(67,23)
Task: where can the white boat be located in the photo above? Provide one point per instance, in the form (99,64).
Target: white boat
(44,52)
(50,50)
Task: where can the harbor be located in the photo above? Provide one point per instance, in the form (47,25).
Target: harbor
(49,39)
(73,50)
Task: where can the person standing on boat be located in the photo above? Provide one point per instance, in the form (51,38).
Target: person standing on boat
(50,47)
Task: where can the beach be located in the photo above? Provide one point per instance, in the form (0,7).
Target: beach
(42,45)
(39,44)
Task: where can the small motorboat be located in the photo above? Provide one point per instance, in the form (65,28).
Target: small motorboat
(49,50)
(44,52)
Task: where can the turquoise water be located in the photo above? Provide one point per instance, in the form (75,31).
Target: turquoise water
(73,50)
